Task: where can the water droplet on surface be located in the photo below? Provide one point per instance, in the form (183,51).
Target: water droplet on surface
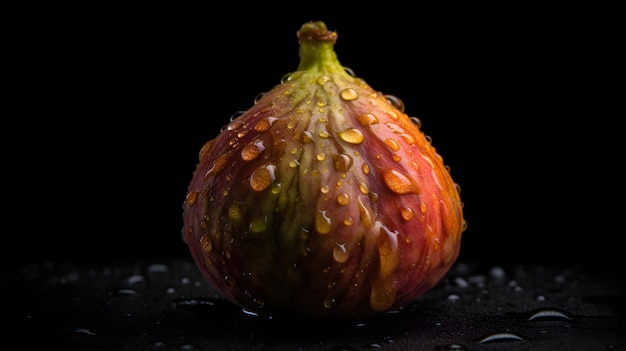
(497,272)
(83,331)
(135,280)
(349,94)
(453,297)
(549,314)
(249,313)
(351,135)
(123,292)
(461,282)
(500,337)
(157,268)
(450,347)
(158,346)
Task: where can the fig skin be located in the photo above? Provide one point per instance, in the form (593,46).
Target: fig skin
(324,199)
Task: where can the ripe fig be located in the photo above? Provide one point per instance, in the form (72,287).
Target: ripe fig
(323,199)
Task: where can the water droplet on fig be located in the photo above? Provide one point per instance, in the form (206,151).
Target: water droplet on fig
(322,222)
(349,94)
(396,102)
(191,198)
(258,97)
(367,119)
(252,150)
(399,182)
(366,168)
(258,225)
(407,213)
(363,188)
(205,244)
(275,189)
(323,80)
(234,212)
(217,165)
(351,135)
(416,121)
(285,78)
(264,124)
(340,253)
(236,115)
(342,163)
(307,137)
(330,303)
(392,144)
(323,134)
(408,138)
(262,177)
(343,199)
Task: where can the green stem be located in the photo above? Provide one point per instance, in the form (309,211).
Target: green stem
(317,49)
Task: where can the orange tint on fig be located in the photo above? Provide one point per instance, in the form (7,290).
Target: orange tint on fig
(324,199)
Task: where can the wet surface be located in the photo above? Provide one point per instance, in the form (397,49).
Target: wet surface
(167,306)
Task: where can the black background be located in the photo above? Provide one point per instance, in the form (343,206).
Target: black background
(110,106)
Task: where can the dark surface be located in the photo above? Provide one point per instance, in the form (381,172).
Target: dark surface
(109,107)
(166,305)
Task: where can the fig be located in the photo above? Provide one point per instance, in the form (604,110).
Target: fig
(324,199)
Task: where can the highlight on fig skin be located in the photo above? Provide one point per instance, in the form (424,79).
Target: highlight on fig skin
(324,199)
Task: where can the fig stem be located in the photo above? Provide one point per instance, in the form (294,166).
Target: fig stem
(317,49)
